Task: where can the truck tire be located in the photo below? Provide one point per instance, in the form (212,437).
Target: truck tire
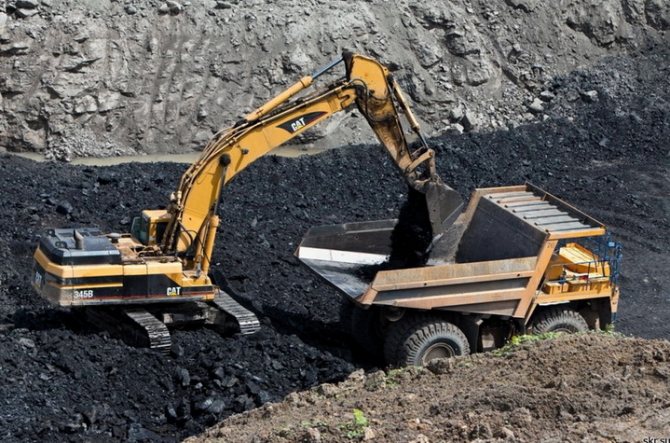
(414,341)
(558,320)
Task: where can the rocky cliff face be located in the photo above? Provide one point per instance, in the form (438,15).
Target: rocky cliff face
(107,77)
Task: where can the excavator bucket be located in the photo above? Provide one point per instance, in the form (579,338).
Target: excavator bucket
(444,206)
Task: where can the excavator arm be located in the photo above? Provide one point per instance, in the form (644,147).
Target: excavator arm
(191,226)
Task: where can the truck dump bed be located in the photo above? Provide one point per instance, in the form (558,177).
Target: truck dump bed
(490,261)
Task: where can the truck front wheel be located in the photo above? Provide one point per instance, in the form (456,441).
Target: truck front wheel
(558,320)
(414,341)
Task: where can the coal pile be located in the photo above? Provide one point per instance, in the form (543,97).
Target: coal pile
(412,234)
(64,380)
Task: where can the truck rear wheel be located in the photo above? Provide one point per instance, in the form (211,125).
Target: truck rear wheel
(558,320)
(414,341)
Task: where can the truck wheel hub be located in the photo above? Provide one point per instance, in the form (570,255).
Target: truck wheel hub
(438,350)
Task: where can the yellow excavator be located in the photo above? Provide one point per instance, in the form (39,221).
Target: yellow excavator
(159,274)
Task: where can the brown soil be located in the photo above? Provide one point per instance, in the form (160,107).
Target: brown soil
(591,387)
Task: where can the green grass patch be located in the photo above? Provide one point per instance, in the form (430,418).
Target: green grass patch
(393,376)
(318,424)
(518,340)
(355,429)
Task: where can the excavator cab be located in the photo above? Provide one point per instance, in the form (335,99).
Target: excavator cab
(150,226)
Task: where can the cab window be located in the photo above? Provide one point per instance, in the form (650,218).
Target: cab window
(139,229)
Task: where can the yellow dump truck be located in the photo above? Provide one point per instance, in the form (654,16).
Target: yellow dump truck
(517,260)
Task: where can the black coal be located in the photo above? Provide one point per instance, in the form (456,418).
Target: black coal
(62,379)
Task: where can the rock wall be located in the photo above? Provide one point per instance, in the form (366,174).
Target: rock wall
(108,77)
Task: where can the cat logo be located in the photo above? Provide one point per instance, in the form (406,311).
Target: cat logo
(174,292)
(295,125)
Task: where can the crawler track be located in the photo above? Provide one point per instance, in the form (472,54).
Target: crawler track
(153,333)
(135,326)
(247,321)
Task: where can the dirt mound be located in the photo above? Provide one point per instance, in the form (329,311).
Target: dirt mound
(104,78)
(565,389)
